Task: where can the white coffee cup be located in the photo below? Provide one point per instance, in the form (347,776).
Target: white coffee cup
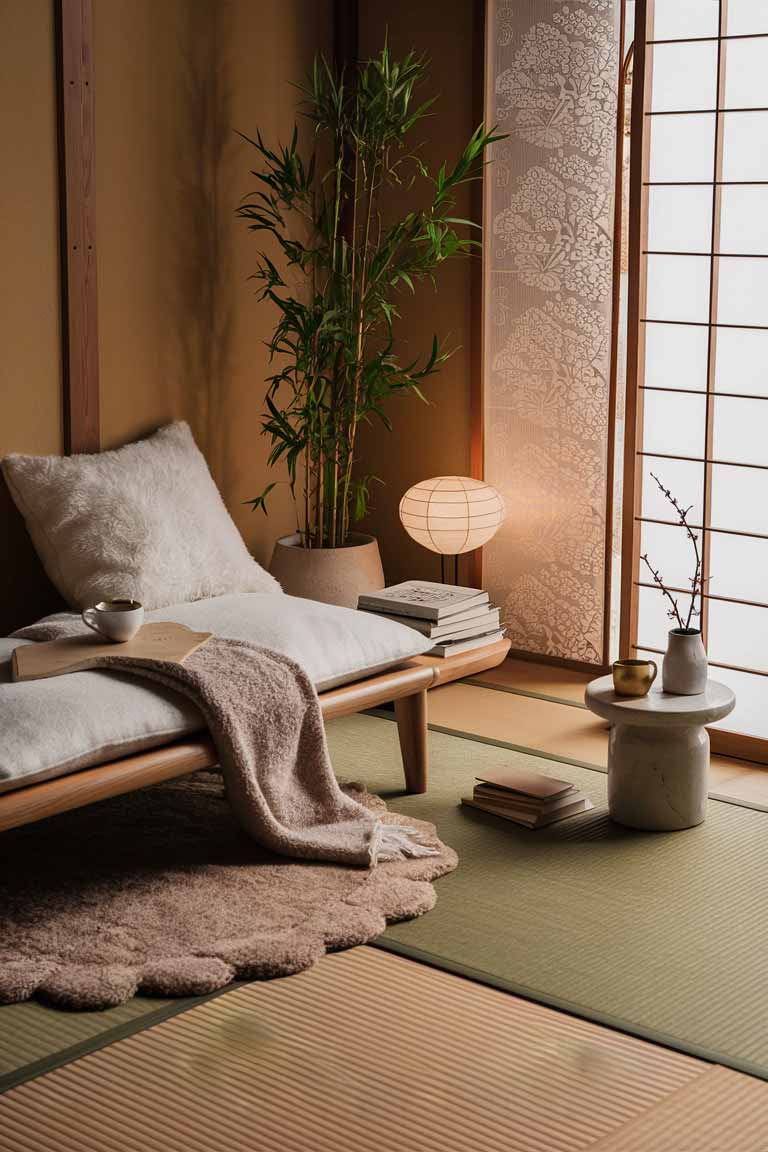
(116,620)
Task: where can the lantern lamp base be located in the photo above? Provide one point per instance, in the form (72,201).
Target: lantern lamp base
(449,569)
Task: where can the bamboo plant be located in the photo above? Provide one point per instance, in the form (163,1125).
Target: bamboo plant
(341,269)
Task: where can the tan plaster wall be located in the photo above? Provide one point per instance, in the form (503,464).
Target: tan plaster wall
(434,440)
(30,361)
(181,335)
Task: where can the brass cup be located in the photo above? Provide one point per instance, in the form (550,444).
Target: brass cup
(633,677)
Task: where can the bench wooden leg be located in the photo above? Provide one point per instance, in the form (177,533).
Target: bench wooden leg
(411,713)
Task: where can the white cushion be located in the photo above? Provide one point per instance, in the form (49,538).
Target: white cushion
(145,522)
(54,726)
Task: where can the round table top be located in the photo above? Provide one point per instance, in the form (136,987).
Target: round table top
(659,707)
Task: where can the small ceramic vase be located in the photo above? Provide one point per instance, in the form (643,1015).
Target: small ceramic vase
(684,669)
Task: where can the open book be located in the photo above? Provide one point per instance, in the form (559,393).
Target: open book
(154,641)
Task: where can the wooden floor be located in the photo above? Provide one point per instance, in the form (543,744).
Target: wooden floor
(539,707)
(369,1051)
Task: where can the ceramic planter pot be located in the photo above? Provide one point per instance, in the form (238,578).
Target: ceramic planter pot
(684,669)
(331,575)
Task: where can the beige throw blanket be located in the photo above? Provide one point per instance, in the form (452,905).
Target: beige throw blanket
(264,717)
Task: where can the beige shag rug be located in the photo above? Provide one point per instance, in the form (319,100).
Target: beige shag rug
(161,892)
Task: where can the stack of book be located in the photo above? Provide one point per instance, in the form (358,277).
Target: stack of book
(527,798)
(457,619)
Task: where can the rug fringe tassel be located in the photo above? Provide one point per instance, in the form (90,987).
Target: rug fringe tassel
(399,842)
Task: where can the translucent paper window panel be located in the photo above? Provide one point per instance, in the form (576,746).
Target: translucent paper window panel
(741,359)
(750,715)
(676,356)
(744,219)
(684,76)
(741,432)
(685,19)
(670,551)
(677,288)
(737,635)
(682,147)
(679,219)
(682,477)
(700,269)
(746,73)
(674,423)
(745,156)
(739,567)
(745,17)
(742,294)
(739,499)
(653,622)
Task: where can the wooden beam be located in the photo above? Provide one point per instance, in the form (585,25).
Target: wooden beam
(625,63)
(633,420)
(346,26)
(714,288)
(74,55)
(474,560)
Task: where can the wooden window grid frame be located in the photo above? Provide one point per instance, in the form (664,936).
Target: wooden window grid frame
(725,742)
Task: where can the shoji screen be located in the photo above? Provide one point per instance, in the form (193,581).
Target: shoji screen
(701,354)
(552,80)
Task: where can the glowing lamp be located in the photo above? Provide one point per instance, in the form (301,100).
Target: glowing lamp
(451,514)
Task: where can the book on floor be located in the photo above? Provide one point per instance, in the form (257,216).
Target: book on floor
(423,600)
(527,819)
(531,799)
(522,780)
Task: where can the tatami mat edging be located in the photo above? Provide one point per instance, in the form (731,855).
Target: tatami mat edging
(463,734)
(290,1064)
(567,1007)
(474,682)
(108,1036)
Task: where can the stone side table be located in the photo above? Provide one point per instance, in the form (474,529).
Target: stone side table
(658,753)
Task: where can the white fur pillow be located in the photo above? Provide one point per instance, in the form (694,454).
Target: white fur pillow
(145,521)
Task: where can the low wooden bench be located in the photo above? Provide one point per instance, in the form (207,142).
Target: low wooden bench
(26,595)
(406,686)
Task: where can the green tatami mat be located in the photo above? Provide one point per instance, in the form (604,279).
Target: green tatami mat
(664,935)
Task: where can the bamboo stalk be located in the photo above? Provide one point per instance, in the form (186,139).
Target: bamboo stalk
(307,538)
(320,501)
(335,499)
(354,418)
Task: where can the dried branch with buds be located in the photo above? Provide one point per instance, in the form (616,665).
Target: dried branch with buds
(697,581)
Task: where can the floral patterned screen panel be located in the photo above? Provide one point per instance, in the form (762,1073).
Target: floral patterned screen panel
(551,84)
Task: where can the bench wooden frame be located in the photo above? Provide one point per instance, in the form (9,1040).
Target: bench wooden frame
(26,595)
(406,686)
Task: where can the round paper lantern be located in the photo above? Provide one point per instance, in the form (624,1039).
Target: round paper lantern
(451,514)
